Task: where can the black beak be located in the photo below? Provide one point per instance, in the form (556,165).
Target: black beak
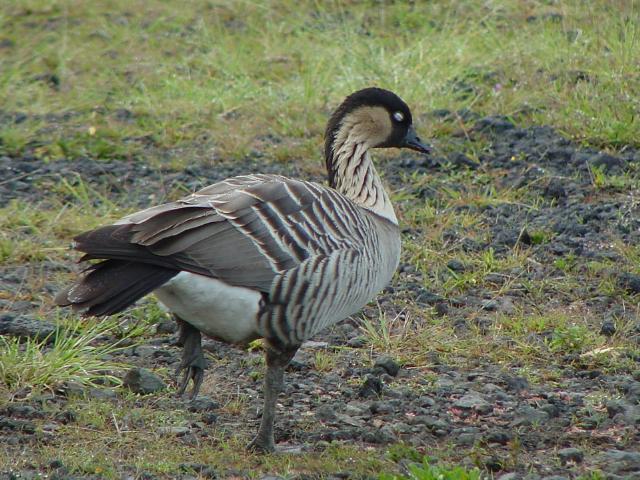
(413,142)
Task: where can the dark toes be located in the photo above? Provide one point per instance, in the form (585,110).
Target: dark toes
(259,446)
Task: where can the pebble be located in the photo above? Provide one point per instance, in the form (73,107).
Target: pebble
(528,416)
(498,437)
(24,326)
(371,387)
(622,462)
(14,425)
(173,430)
(166,326)
(456,266)
(474,401)
(203,404)
(143,381)
(608,328)
(629,282)
(325,413)
(570,455)
(387,364)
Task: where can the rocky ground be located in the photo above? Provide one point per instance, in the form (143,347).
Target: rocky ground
(583,418)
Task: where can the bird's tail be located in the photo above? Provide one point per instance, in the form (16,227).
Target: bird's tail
(125,273)
(110,286)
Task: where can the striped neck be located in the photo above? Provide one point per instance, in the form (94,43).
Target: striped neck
(351,172)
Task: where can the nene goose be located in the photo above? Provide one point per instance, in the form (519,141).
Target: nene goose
(261,256)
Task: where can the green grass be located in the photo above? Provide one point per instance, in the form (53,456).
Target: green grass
(427,471)
(73,356)
(133,79)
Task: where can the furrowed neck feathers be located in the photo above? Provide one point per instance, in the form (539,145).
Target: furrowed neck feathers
(349,166)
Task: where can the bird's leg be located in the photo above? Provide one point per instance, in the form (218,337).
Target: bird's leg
(277,361)
(193,362)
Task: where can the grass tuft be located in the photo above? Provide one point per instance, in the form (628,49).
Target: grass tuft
(427,471)
(72,353)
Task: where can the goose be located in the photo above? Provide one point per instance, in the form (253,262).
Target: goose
(260,256)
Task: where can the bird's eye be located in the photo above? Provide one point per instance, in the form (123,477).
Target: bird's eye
(398,116)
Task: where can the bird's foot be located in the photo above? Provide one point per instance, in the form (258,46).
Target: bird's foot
(261,445)
(264,447)
(190,372)
(193,362)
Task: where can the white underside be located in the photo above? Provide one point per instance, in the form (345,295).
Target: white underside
(215,308)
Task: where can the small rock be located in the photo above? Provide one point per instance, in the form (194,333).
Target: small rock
(354,410)
(209,418)
(387,364)
(516,384)
(203,404)
(608,328)
(510,237)
(381,436)
(311,344)
(349,420)
(550,409)
(65,417)
(296,365)
(101,394)
(10,424)
(628,281)
(166,326)
(622,461)
(381,407)
(24,411)
(325,413)
(555,190)
(567,455)
(456,266)
(427,297)
(509,476)
(56,464)
(615,407)
(431,423)
(72,389)
(498,437)
(490,305)
(357,342)
(493,464)
(494,124)
(466,439)
(528,416)
(609,163)
(372,386)
(473,401)
(631,391)
(426,402)
(141,380)
(24,326)
(173,430)
(49,427)
(460,159)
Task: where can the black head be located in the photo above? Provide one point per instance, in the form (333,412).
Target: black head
(381,118)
